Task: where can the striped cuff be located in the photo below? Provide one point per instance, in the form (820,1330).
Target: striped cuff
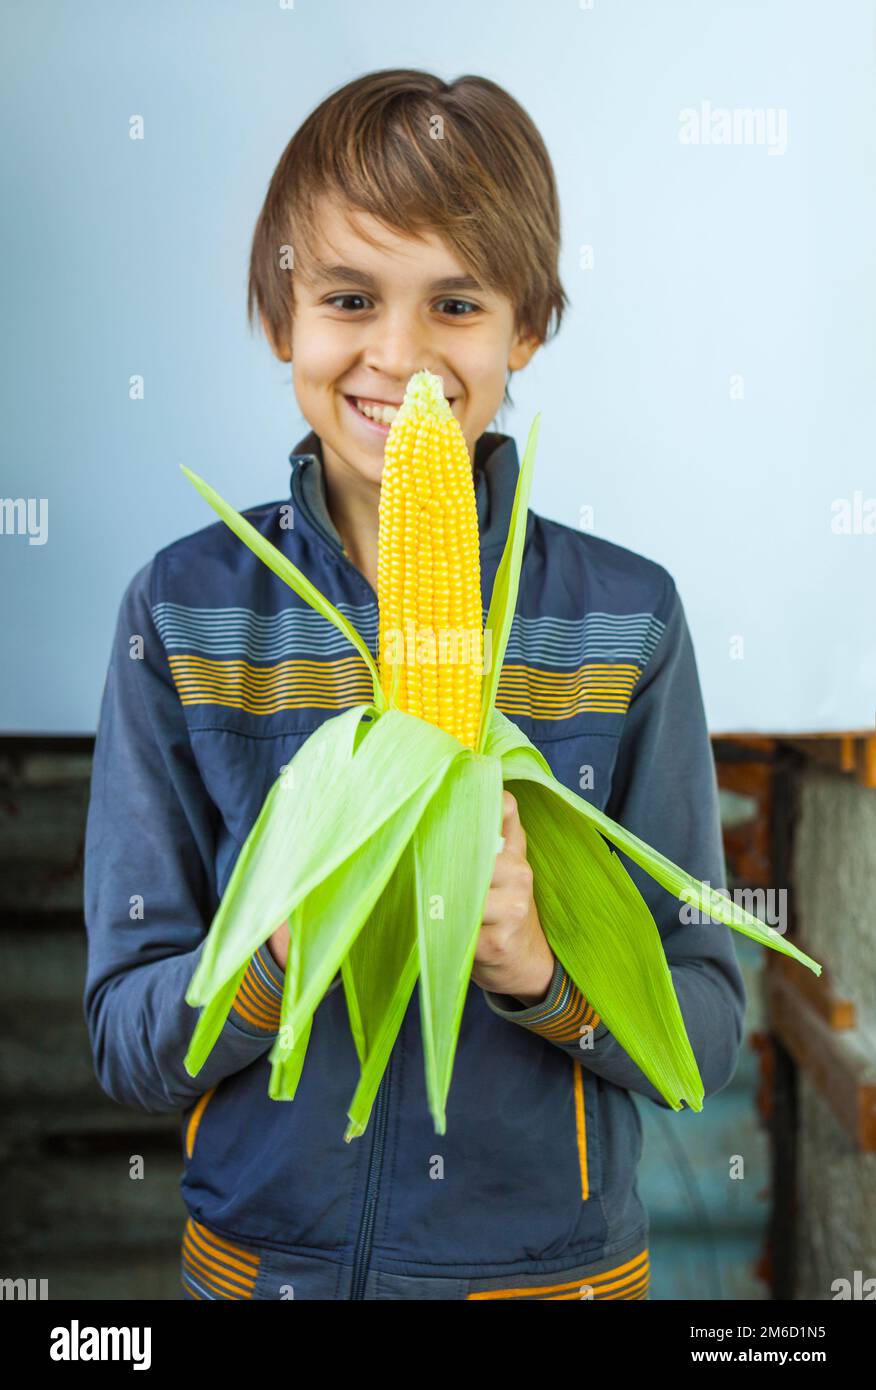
(256,1007)
(562,1016)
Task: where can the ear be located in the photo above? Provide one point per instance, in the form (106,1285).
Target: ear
(522,351)
(282,352)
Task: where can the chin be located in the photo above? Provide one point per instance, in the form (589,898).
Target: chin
(363,462)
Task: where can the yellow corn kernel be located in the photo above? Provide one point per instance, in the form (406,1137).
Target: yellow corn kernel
(428,565)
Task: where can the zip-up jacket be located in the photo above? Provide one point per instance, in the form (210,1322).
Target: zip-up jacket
(218,674)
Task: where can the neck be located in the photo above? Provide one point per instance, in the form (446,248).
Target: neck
(353,503)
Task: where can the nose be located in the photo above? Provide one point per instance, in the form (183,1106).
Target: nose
(400,346)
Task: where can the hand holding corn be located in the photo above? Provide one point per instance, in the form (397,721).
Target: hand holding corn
(512,955)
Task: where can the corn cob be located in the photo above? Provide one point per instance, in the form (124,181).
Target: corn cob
(428,565)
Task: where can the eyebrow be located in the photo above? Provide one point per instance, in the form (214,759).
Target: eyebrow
(332,274)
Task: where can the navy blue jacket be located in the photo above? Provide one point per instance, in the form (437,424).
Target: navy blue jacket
(217,675)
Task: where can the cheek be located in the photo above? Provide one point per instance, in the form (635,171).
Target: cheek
(319,354)
(482,363)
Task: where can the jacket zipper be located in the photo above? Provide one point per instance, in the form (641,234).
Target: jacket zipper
(365,1238)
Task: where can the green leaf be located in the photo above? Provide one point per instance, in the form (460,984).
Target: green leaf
(289,573)
(336,909)
(601,929)
(503,599)
(262,867)
(212,1020)
(350,780)
(521,760)
(455,848)
(287,1054)
(251,906)
(379,974)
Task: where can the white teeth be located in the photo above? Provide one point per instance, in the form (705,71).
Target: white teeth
(383,414)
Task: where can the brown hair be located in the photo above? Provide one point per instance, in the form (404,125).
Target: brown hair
(462,159)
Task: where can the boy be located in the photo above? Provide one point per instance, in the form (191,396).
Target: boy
(409,224)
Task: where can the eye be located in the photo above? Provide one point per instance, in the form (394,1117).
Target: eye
(466,302)
(334,299)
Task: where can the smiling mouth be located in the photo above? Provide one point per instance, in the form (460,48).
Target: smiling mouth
(380,412)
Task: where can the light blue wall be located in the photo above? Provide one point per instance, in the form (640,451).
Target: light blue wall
(124,257)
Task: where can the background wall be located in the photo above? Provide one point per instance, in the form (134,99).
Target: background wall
(709,395)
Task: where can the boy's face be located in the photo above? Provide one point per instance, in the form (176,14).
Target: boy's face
(360,336)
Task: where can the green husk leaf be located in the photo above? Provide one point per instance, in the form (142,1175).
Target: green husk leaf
(212,1020)
(379,974)
(336,910)
(503,599)
(394,683)
(600,927)
(327,923)
(300,840)
(455,848)
(288,1053)
(241,924)
(290,574)
(521,760)
(263,869)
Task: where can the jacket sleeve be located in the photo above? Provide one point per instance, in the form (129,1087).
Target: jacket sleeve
(665,790)
(150,887)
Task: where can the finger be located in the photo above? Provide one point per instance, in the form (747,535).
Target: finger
(508,900)
(503,871)
(491,914)
(512,827)
(493,941)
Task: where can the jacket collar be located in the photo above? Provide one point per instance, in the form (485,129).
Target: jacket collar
(496,469)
